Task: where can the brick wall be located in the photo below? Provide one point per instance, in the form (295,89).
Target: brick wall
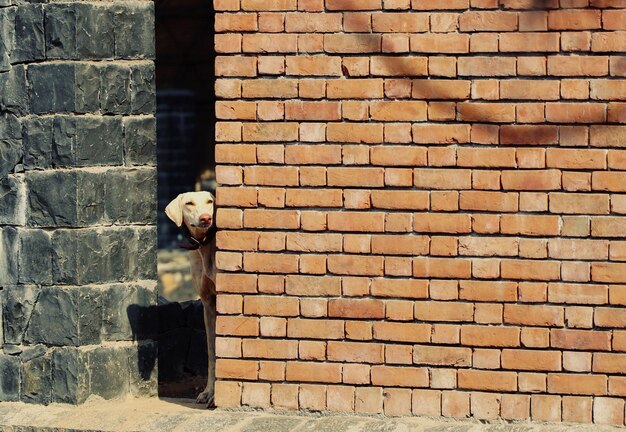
(421,207)
(77,200)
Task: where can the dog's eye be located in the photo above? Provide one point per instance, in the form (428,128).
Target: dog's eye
(209,202)
(190,203)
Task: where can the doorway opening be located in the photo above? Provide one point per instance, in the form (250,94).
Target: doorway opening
(186,162)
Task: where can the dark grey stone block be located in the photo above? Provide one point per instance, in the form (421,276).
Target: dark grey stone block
(141,259)
(37,138)
(7,37)
(13,91)
(60,31)
(29,34)
(52,87)
(87,88)
(143,369)
(134,30)
(70,379)
(64,259)
(35,257)
(51,198)
(143,91)
(36,376)
(109,372)
(90,198)
(18,303)
(10,127)
(95,38)
(63,141)
(131,195)
(115,89)
(11,148)
(8,256)
(99,141)
(12,200)
(87,141)
(140,140)
(97,255)
(89,315)
(128,312)
(54,320)
(11,151)
(9,378)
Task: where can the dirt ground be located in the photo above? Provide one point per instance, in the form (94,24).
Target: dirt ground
(177,415)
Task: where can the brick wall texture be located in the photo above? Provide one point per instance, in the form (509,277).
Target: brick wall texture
(77,200)
(421,207)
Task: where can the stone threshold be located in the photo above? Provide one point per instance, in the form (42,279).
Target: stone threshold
(183,415)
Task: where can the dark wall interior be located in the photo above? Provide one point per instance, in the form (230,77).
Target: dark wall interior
(185,104)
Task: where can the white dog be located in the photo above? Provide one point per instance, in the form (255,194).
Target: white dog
(193,212)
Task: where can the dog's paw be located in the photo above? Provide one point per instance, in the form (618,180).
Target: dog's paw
(205,397)
(211,402)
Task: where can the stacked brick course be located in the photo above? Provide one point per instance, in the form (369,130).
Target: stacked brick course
(421,207)
(77,200)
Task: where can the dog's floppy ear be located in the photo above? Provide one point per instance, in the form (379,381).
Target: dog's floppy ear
(174,211)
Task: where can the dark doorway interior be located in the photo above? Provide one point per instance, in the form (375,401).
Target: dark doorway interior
(185,153)
(185,103)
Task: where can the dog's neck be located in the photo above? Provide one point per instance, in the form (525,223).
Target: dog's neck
(198,237)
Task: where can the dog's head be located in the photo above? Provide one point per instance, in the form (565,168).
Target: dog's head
(194,209)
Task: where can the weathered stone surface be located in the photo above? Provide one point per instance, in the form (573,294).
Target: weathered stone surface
(11,148)
(63,141)
(7,37)
(95,38)
(99,141)
(131,195)
(143,369)
(36,376)
(90,197)
(100,255)
(60,31)
(89,315)
(87,88)
(52,87)
(12,200)
(8,256)
(140,140)
(54,320)
(18,303)
(115,89)
(70,379)
(87,141)
(29,34)
(51,198)
(141,262)
(35,257)
(10,155)
(143,89)
(13,91)
(109,372)
(37,138)
(134,30)
(128,313)
(9,378)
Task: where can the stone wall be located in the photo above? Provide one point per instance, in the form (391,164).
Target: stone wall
(77,200)
(422,207)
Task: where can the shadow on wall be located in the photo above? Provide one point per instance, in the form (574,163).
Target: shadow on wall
(182,352)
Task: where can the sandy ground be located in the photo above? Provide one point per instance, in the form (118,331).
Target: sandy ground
(179,415)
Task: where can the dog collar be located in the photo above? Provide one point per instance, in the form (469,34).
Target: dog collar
(194,243)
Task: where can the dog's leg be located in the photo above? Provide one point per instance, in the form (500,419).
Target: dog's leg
(206,397)
(209,323)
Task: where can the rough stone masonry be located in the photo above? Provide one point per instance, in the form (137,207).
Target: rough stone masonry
(77,200)
(422,207)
